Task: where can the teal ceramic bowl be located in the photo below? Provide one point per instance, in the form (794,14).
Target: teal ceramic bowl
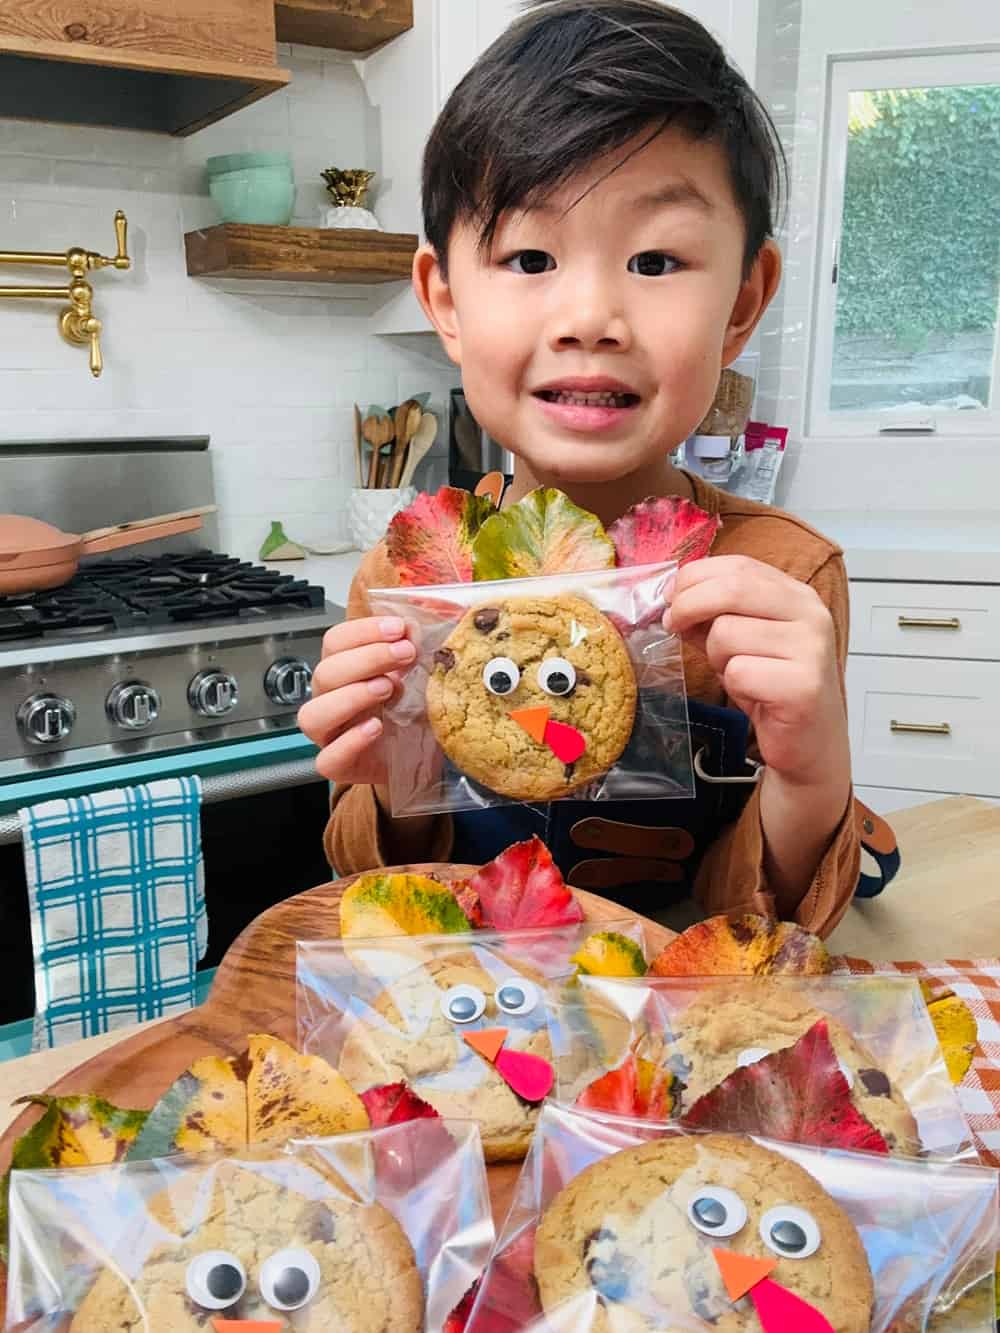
(259,195)
(225,162)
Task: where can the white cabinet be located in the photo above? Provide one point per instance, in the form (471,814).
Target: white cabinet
(923,706)
(410,79)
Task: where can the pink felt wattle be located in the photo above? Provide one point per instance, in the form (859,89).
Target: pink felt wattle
(565,742)
(529,1076)
(781,1311)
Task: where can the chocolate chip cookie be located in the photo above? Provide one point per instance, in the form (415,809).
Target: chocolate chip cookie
(656,1237)
(727,1027)
(533,697)
(246,1247)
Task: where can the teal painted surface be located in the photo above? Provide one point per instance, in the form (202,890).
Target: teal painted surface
(205,760)
(15,1038)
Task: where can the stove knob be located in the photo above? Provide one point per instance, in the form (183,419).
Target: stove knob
(213,693)
(288,681)
(45,719)
(133,705)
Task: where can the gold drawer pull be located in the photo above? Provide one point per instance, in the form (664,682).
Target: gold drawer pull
(929,622)
(922,728)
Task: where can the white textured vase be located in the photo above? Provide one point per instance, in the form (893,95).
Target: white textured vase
(343,215)
(369,512)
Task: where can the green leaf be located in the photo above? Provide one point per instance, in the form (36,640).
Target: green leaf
(545,533)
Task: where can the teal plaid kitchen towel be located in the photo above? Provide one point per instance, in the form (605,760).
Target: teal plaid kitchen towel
(116,888)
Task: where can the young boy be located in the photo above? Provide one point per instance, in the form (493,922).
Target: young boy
(598,203)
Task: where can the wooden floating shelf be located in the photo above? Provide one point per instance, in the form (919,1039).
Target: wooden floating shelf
(299,254)
(337,23)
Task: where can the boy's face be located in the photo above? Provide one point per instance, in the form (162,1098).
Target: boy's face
(592,335)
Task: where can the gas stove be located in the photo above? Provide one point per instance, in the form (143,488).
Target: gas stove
(169,649)
(152,653)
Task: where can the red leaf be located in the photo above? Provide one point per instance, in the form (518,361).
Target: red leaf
(456,1321)
(796,1095)
(523,887)
(392,1103)
(637,1088)
(667,528)
(468,900)
(509,1302)
(431,541)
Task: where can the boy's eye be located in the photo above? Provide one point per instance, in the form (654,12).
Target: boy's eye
(531,261)
(652,264)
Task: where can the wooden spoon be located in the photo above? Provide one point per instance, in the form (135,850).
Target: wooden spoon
(419,445)
(378,431)
(406,412)
(359,448)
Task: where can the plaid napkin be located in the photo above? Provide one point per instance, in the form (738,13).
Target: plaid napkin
(977,982)
(116,889)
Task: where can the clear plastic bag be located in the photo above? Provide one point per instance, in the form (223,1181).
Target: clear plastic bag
(703,1030)
(397,1218)
(585,688)
(402,1010)
(652,1239)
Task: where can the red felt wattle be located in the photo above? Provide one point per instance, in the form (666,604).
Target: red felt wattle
(523,887)
(781,1311)
(529,1076)
(796,1095)
(565,742)
(394,1103)
(668,528)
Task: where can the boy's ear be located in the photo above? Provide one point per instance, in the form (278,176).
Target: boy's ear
(434,295)
(754,297)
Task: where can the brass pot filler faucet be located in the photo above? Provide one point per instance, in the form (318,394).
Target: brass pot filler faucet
(77,323)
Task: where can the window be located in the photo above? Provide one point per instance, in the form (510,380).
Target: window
(905,336)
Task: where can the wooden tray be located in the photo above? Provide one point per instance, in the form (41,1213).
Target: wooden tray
(254,991)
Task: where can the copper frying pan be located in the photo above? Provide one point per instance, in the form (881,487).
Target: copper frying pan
(34,555)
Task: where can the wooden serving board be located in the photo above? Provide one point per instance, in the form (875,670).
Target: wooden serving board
(254,991)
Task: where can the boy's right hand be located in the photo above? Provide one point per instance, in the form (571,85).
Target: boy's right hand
(359,672)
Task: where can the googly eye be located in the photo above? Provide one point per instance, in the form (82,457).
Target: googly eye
(716,1211)
(557,676)
(289,1279)
(463,1004)
(790,1232)
(501,676)
(516,997)
(215,1279)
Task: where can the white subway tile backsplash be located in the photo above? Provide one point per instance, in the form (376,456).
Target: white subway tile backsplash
(269,372)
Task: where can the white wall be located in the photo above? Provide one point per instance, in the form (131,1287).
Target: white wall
(823,474)
(269,375)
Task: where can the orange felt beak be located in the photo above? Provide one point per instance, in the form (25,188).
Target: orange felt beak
(247,1326)
(533,720)
(740,1273)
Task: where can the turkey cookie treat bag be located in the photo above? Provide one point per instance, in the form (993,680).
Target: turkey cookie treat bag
(543,670)
(621,1227)
(362,1233)
(837,1062)
(460,1022)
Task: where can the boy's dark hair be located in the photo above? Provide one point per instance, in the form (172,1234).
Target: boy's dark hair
(573,80)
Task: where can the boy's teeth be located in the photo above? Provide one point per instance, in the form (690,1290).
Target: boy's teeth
(600,399)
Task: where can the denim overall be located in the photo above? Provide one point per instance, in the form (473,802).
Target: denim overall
(642,854)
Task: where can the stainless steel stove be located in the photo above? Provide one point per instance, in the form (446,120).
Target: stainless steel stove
(164,649)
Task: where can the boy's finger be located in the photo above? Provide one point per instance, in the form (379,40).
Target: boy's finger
(356,633)
(325,717)
(356,664)
(343,754)
(701,603)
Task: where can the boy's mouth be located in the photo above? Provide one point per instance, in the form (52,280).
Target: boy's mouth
(601,398)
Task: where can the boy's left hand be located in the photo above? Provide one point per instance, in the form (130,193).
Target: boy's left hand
(770,640)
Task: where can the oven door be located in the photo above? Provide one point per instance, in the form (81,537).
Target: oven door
(264,809)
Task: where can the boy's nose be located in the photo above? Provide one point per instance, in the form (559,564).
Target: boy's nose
(591,318)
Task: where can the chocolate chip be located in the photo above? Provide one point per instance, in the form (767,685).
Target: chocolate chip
(875,1082)
(486,619)
(568,770)
(611,1276)
(318,1224)
(445,658)
(583,679)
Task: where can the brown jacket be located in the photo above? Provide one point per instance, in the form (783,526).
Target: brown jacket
(731,875)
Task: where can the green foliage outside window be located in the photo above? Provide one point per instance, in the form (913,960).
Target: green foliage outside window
(920,241)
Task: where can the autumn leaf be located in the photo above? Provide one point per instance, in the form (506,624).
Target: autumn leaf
(379,904)
(746,945)
(658,530)
(394,1103)
(795,1095)
(524,887)
(545,533)
(431,541)
(638,1088)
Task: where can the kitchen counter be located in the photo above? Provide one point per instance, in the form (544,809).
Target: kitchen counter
(914,545)
(951,845)
(333,573)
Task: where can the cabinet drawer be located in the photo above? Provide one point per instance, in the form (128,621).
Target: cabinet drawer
(924,725)
(926,619)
